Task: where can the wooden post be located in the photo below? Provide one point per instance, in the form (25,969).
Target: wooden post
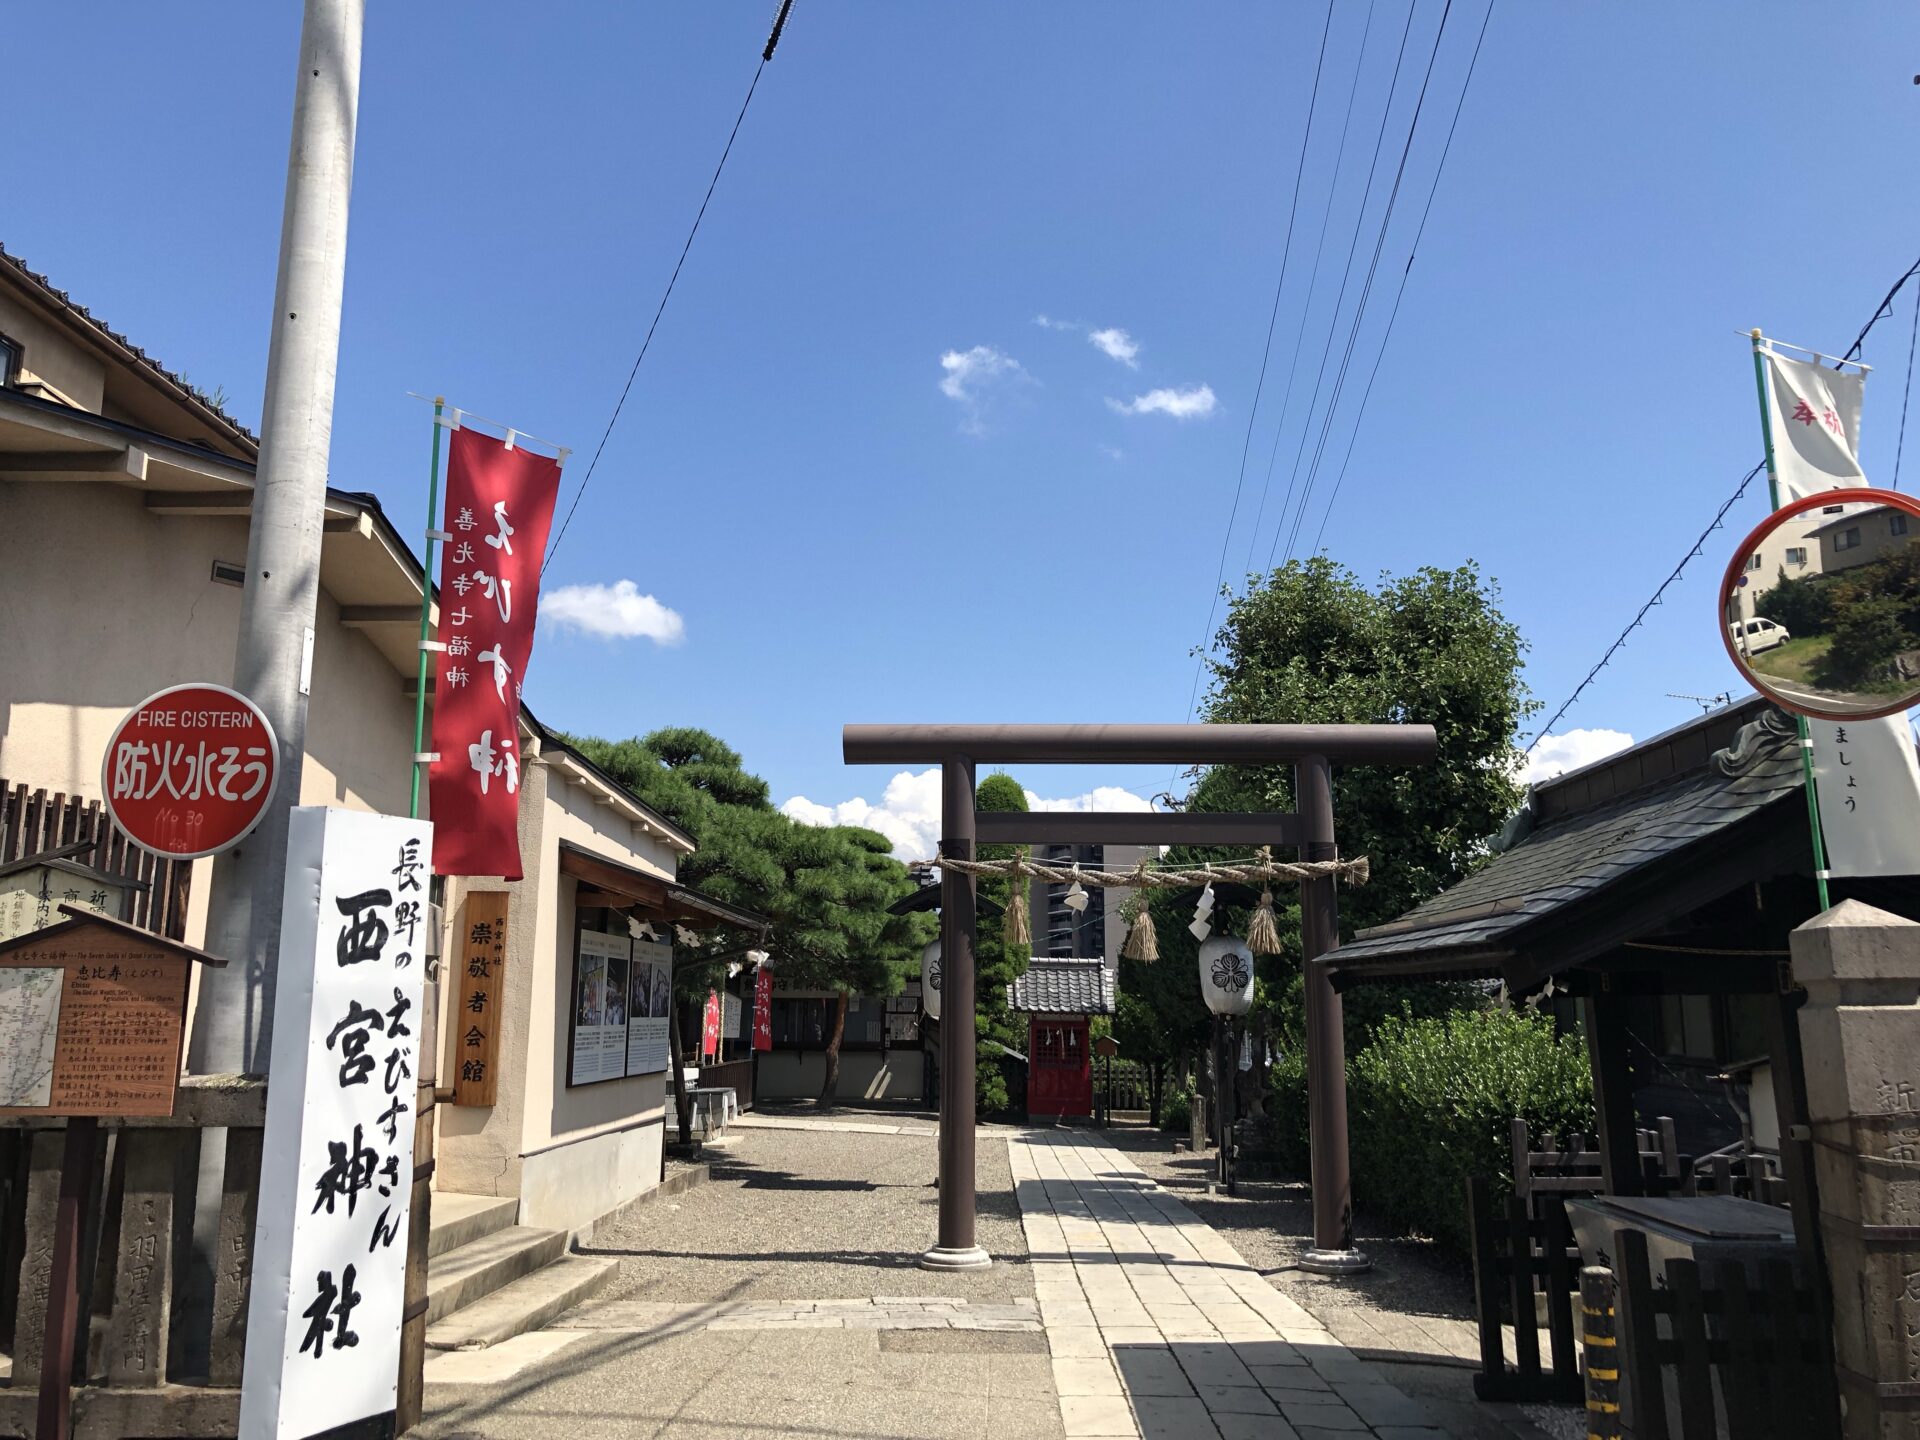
(1620,1171)
(63,1293)
(1600,1342)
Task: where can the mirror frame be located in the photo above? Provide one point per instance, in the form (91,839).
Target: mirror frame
(1852,495)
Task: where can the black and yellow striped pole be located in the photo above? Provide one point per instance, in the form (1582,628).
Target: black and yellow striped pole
(1600,1349)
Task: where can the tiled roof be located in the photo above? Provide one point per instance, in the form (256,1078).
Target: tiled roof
(1063,987)
(85,316)
(1576,856)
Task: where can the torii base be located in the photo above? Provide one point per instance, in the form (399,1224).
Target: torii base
(941,1258)
(1334,1262)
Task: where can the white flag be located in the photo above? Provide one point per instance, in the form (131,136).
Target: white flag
(1868,778)
(1813,416)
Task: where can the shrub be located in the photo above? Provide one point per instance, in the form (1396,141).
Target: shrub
(1865,640)
(1432,1101)
(1176,1110)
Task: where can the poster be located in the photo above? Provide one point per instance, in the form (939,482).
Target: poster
(336,1178)
(599,1008)
(650,1000)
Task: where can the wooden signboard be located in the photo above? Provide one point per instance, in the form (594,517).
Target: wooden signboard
(478,981)
(92,1012)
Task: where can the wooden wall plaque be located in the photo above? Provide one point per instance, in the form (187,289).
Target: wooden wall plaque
(478,984)
(92,1014)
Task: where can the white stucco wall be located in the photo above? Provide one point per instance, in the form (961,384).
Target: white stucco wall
(569,1154)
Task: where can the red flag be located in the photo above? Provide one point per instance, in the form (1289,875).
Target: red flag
(710,1029)
(763,1008)
(499,509)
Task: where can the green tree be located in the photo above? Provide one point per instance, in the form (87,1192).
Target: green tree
(1310,643)
(996,963)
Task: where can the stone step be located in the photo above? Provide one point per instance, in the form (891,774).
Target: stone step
(526,1304)
(464,1274)
(461,1219)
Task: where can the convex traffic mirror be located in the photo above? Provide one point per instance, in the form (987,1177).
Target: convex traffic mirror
(1820,608)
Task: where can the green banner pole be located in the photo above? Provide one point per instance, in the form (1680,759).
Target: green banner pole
(1800,721)
(426,612)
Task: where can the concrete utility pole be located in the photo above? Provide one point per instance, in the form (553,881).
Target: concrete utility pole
(273,663)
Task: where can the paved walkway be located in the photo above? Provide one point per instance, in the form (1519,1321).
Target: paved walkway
(1159,1328)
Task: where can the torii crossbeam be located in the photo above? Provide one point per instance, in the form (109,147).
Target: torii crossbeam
(1313,750)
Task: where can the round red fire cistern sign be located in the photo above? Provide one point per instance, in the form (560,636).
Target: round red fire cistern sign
(189,771)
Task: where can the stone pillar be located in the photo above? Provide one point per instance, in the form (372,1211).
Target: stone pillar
(1860,1034)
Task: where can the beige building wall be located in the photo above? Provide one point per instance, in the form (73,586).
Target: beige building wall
(52,367)
(570,1154)
(127,601)
(1877,539)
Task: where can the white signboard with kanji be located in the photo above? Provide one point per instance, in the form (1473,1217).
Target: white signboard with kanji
(1868,780)
(330,1247)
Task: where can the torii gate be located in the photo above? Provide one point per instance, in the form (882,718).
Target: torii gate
(1313,750)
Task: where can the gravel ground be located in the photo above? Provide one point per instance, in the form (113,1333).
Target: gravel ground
(816,1215)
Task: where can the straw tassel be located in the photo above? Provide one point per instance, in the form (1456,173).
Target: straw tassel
(1013,926)
(1142,943)
(1263,935)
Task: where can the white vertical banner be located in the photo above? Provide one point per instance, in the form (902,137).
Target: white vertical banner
(1868,778)
(1813,417)
(330,1248)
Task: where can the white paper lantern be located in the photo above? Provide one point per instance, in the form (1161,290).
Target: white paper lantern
(930,980)
(1226,975)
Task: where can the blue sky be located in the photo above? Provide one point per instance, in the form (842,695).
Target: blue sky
(801,480)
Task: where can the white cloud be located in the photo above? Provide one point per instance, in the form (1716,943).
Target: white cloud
(1557,754)
(1196,402)
(615,612)
(908,813)
(971,377)
(1048,323)
(1118,345)
(1113,452)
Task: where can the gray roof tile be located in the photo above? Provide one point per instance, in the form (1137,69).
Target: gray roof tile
(1063,987)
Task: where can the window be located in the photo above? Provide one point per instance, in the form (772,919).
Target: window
(1847,539)
(1753,561)
(9,361)
(1796,554)
(1896,524)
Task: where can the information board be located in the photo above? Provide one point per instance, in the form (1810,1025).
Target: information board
(649,1005)
(91,1018)
(599,1008)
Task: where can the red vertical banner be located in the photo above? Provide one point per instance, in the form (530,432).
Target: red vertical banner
(763,1008)
(710,1029)
(499,508)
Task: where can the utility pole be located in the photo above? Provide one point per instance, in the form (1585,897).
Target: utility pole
(273,662)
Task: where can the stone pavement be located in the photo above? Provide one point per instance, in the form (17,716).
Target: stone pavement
(1158,1327)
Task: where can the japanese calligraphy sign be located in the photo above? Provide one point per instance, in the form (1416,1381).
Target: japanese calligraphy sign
(710,1027)
(478,981)
(323,1332)
(189,771)
(650,988)
(499,508)
(1868,781)
(763,1008)
(1813,418)
(91,1017)
(31,894)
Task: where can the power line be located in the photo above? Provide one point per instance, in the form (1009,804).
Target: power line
(1907,395)
(1692,555)
(766,55)
(1313,280)
(1366,291)
(1412,251)
(1293,207)
(1885,309)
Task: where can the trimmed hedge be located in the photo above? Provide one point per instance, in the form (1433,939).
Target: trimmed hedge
(1432,1101)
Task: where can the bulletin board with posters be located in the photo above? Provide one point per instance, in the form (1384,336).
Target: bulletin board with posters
(598,1051)
(650,984)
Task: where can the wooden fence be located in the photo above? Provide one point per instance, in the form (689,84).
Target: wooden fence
(1745,1355)
(32,822)
(1515,1252)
